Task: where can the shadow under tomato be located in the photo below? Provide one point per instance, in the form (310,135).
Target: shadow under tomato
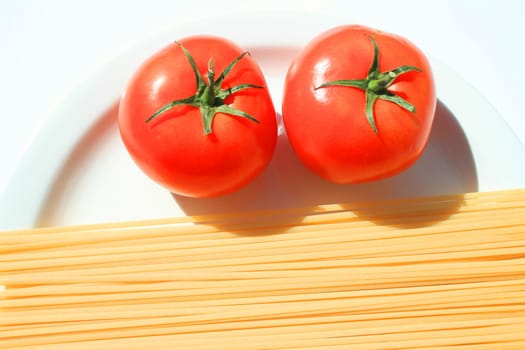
(446,168)
(254,210)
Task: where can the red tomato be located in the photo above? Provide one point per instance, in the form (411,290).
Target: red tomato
(358,104)
(198,119)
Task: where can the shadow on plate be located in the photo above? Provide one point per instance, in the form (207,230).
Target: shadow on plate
(445,168)
(58,195)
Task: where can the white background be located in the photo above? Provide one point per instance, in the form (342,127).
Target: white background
(48,47)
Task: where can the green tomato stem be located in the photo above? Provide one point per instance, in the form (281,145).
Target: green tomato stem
(376,85)
(210,96)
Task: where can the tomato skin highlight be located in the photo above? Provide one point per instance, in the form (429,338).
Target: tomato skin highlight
(172,149)
(327,127)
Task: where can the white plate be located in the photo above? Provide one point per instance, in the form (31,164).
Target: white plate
(77,171)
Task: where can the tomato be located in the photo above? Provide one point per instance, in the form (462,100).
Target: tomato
(359,104)
(197,117)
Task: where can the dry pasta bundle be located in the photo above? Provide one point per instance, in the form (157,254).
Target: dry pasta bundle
(444,272)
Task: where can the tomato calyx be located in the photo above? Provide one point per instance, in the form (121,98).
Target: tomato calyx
(376,85)
(210,96)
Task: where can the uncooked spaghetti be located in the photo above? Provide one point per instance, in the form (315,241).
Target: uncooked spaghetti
(427,273)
